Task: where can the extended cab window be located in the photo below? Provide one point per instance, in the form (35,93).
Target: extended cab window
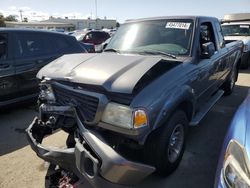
(3,47)
(33,44)
(220,35)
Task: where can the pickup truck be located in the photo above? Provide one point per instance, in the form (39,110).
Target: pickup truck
(128,109)
(237,27)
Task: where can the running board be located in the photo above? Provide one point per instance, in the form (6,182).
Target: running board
(205,109)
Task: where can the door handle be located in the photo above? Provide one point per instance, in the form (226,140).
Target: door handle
(4,66)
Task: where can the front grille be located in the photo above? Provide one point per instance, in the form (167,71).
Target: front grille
(86,106)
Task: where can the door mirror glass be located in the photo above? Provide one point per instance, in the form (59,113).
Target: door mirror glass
(208,49)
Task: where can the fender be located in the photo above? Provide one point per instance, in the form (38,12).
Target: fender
(180,96)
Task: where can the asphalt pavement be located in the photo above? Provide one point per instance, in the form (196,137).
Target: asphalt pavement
(20,167)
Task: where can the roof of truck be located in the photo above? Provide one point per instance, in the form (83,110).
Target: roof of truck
(170,17)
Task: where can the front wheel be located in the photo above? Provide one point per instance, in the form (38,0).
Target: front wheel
(165,147)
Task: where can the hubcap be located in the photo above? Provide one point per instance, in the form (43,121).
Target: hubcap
(176,143)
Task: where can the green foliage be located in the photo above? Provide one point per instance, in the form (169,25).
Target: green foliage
(2,21)
(11,18)
(25,19)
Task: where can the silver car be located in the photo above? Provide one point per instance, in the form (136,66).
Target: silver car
(234,165)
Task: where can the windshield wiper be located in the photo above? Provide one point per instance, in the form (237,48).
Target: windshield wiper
(111,50)
(155,52)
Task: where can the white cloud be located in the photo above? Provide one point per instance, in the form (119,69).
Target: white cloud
(34,15)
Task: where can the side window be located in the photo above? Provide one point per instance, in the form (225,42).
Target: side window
(207,33)
(33,44)
(61,43)
(220,35)
(88,37)
(3,46)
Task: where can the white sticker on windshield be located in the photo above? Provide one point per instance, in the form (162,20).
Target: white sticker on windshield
(244,26)
(178,25)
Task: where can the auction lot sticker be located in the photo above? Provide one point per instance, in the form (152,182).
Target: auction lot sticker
(178,25)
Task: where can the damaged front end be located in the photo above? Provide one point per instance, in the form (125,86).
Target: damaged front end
(89,156)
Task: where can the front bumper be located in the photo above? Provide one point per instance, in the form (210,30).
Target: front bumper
(92,158)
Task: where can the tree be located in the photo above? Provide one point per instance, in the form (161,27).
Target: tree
(2,21)
(117,24)
(25,19)
(11,18)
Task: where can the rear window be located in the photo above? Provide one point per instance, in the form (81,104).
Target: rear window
(236,30)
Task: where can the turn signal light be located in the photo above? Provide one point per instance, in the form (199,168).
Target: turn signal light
(140,119)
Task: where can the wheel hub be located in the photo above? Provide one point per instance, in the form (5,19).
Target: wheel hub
(176,143)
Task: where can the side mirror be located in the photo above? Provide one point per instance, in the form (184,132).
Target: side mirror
(208,49)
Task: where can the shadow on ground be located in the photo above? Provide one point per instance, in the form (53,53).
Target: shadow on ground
(198,166)
(13,122)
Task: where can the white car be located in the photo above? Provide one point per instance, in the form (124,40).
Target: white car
(239,30)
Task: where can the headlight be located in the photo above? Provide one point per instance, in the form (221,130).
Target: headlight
(245,48)
(124,116)
(236,168)
(46,92)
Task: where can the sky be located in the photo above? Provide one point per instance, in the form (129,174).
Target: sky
(120,9)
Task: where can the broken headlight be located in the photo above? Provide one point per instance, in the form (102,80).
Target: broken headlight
(124,116)
(46,92)
(236,169)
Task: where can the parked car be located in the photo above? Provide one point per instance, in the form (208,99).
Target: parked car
(23,53)
(93,37)
(89,47)
(237,27)
(234,164)
(127,110)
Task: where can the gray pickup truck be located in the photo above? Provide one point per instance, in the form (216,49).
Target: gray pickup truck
(128,109)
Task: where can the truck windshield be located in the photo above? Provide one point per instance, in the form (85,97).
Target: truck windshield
(236,30)
(169,37)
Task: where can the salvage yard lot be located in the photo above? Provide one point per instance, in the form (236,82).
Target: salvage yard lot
(20,167)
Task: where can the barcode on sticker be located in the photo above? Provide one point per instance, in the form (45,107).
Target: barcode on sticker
(178,25)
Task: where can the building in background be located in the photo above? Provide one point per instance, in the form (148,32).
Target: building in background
(85,23)
(42,25)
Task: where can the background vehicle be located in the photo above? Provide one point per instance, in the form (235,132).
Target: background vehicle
(93,37)
(127,110)
(237,27)
(22,54)
(234,164)
(89,47)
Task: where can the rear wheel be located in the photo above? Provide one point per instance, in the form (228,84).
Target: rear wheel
(164,148)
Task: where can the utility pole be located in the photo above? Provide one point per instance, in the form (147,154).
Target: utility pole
(21,16)
(95,14)
(95,9)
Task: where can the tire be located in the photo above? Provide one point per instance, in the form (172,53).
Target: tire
(158,150)
(229,84)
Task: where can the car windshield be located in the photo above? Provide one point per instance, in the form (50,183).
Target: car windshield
(236,30)
(171,36)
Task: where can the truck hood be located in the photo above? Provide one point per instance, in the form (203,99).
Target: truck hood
(245,39)
(114,72)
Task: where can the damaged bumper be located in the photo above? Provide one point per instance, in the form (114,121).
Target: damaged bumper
(92,158)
